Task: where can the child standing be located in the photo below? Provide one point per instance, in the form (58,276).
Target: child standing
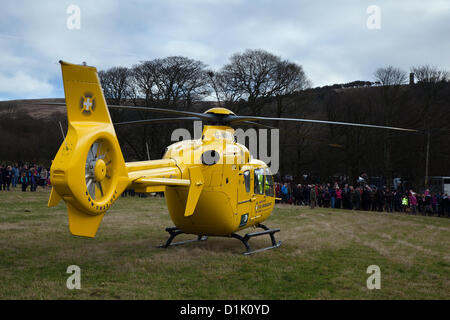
(404,203)
(24,181)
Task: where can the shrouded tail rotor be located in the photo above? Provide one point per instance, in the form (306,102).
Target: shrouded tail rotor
(98,170)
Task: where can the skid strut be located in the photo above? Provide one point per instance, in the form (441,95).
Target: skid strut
(248,236)
(174,231)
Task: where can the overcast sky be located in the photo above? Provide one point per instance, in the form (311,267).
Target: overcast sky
(330,39)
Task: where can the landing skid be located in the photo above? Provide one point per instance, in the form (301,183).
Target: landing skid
(174,231)
(248,236)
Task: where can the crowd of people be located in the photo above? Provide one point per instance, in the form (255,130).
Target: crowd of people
(363,197)
(24,176)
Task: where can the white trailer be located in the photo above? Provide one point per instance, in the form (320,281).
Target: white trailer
(440,184)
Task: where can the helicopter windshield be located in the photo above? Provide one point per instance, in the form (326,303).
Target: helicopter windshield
(259,181)
(269,183)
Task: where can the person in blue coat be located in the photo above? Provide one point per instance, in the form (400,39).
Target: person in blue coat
(15,175)
(284,193)
(24,181)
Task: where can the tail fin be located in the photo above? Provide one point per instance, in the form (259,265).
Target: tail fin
(88,171)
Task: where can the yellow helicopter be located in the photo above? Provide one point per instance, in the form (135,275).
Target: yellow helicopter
(212,185)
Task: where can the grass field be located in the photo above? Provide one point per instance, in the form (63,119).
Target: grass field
(324,255)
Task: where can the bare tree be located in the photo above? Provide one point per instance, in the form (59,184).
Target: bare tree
(115,83)
(171,81)
(214,83)
(225,88)
(180,79)
(288,78)
(390,76)
(144,79)
(257,76)
(430,74)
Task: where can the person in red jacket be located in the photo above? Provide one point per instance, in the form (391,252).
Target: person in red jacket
(338,198)
(413,202)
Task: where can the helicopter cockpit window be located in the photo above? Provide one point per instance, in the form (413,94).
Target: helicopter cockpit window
(259,181)
(269,183)
(247,180)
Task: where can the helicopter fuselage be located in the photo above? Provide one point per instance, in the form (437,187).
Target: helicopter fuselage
(237,190)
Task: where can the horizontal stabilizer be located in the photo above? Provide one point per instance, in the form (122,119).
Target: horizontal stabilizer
(163,182)
(195,184)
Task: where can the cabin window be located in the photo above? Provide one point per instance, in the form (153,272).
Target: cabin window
(269,183)
(259,181)
(247,180)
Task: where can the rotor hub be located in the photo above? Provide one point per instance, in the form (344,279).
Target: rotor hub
(100,170)
(219,111)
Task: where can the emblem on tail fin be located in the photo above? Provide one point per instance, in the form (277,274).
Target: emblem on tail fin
(87,103)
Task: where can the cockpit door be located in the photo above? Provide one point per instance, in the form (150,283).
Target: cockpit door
(245,193)
(264,195)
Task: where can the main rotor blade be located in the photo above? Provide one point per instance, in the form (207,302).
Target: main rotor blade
(238,119)
(231,119)
(167,111)
(168,120)
(256,124)
(162,120)
(203,116)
